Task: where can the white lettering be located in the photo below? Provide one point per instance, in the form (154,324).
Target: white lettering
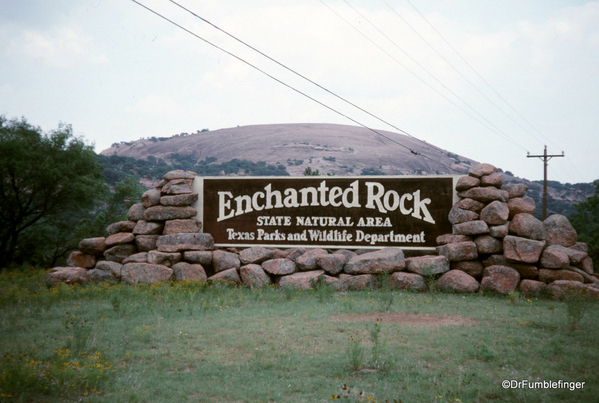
(388,195)
(375,198)
(230,232)
(353,190)
(323,193)
(239,203)
(291,198)
(269,196)
(314,194)
(255,204)
(334,195)
(390,237)
(222,204)
(420,205)
(402,205)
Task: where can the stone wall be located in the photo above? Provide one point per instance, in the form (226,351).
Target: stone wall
(497,242)
(497,245)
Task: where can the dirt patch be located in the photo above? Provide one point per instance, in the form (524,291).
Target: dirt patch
(411,319)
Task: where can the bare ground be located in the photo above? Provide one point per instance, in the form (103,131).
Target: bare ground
(410,319)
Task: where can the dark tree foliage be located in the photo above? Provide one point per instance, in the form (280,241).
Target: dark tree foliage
(309,172)
(113,207)
(45,179)
(586,223)
(54,241)
(116,168)
(371,171)
(555,206)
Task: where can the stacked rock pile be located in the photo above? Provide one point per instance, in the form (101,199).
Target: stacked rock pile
(150,246)
(160,241)
(497,244)
(298,267)
(496,240)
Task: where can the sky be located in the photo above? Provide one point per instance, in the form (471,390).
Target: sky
(488,80)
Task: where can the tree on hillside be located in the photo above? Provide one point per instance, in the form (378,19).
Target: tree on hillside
(44,180)
(309,172)
(48,243)
(586,223)
(113,207)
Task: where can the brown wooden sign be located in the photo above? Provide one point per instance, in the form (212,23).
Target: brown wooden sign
(330,212)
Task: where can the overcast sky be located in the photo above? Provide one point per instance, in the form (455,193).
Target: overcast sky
(117,72)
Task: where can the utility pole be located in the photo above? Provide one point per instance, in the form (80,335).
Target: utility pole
(545,159)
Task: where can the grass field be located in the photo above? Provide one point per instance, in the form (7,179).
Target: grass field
(184,342)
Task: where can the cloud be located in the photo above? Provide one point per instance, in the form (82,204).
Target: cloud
(60,48)
(134,74)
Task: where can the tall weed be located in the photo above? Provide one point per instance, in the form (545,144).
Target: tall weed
(430,279)
(355,352)
(323,290)
(578,302)
(378,362)
(384,292)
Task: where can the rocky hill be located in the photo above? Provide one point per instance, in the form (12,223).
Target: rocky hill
(328,148)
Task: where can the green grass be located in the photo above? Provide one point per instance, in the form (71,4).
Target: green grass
(190,342)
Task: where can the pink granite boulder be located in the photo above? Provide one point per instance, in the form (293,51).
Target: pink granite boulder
(457,281)
(501,279)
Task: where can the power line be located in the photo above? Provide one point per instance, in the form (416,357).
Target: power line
(576,169)
(459,72)
(476,72)
(301,75)
(505,136)
(461,75)
(545,157)
(485,81)
(429,73)
(287,85)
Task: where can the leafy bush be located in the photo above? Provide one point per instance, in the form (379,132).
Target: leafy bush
(323,290)
(578,303)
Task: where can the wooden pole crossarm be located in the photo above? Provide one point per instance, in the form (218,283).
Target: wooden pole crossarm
(545,157)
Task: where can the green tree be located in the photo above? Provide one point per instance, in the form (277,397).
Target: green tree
(113,208)
(309,172)
(586,223)
(45,179)
(48,243)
